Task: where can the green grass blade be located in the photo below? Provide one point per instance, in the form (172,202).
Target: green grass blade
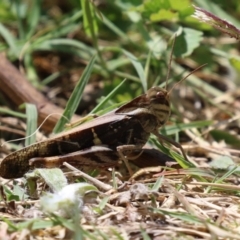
(20,12)
(33,17)
(31,73)
(75,98)
(113,27)
(178,127)
(89,18)
(107,98)
(32,117)
(69,46)
(139,68)
(12,113)
(147,67)
(179,215)
(9,38)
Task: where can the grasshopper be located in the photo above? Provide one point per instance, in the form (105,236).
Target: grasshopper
(104,141)
(117,134)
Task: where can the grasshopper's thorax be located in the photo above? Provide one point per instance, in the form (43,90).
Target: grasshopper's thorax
(159,104)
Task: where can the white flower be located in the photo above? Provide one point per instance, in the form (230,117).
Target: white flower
(69,200)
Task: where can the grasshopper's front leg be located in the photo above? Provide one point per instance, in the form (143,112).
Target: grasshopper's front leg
(142,156)
(129,152)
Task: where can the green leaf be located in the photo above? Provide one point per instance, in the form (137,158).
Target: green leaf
(20,192)
(10,195)
(222,162)
(53,177)
(186,12)
(180,5)
(75,98)
(171,10)
(187,42)
(153,6)
(184,8)
(235,62)
(163,15)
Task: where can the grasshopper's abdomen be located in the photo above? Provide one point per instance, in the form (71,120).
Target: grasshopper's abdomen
(16,163)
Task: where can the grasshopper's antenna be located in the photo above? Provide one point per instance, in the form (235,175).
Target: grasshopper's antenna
(196,69)
(170,63)
(14,140)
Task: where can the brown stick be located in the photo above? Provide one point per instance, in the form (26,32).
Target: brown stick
(18,89)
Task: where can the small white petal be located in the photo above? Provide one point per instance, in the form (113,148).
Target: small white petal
(68,200)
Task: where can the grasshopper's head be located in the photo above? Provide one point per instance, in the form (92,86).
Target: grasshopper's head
(159,104)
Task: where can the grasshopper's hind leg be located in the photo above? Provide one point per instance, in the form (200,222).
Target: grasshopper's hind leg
(96,156)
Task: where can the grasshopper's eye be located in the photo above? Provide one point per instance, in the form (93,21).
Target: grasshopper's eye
(157,93)
(160,94)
